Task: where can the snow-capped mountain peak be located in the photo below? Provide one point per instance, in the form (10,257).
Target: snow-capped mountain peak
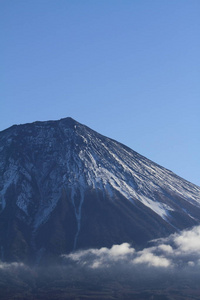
(54,168)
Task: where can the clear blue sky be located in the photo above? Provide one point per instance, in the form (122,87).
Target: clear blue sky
(129,69)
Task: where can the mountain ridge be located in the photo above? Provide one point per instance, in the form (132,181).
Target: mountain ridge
(72,120)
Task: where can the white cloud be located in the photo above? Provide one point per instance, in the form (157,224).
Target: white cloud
(165,248)
(188,241)
(176,250)
(96,258)
(152,260)
(119,251)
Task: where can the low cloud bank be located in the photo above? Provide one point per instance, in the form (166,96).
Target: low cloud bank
(168,268)
(178,250)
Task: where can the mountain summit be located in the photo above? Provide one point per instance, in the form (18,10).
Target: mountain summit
(64,187)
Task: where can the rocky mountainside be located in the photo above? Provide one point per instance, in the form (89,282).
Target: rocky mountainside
(64,187)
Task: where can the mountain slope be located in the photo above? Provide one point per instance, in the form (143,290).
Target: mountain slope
(65,187)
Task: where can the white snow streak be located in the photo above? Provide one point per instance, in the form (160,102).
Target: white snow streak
(77,211)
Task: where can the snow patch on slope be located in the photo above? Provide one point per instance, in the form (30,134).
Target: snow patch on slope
(77,211)
(116,181)
(10,177)
(159,208)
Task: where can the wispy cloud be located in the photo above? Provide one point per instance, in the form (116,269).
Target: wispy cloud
(11,266)
(103,257)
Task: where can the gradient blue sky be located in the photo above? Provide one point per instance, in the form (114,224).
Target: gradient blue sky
(129,69)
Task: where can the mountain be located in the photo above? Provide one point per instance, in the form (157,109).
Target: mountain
(64,187)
